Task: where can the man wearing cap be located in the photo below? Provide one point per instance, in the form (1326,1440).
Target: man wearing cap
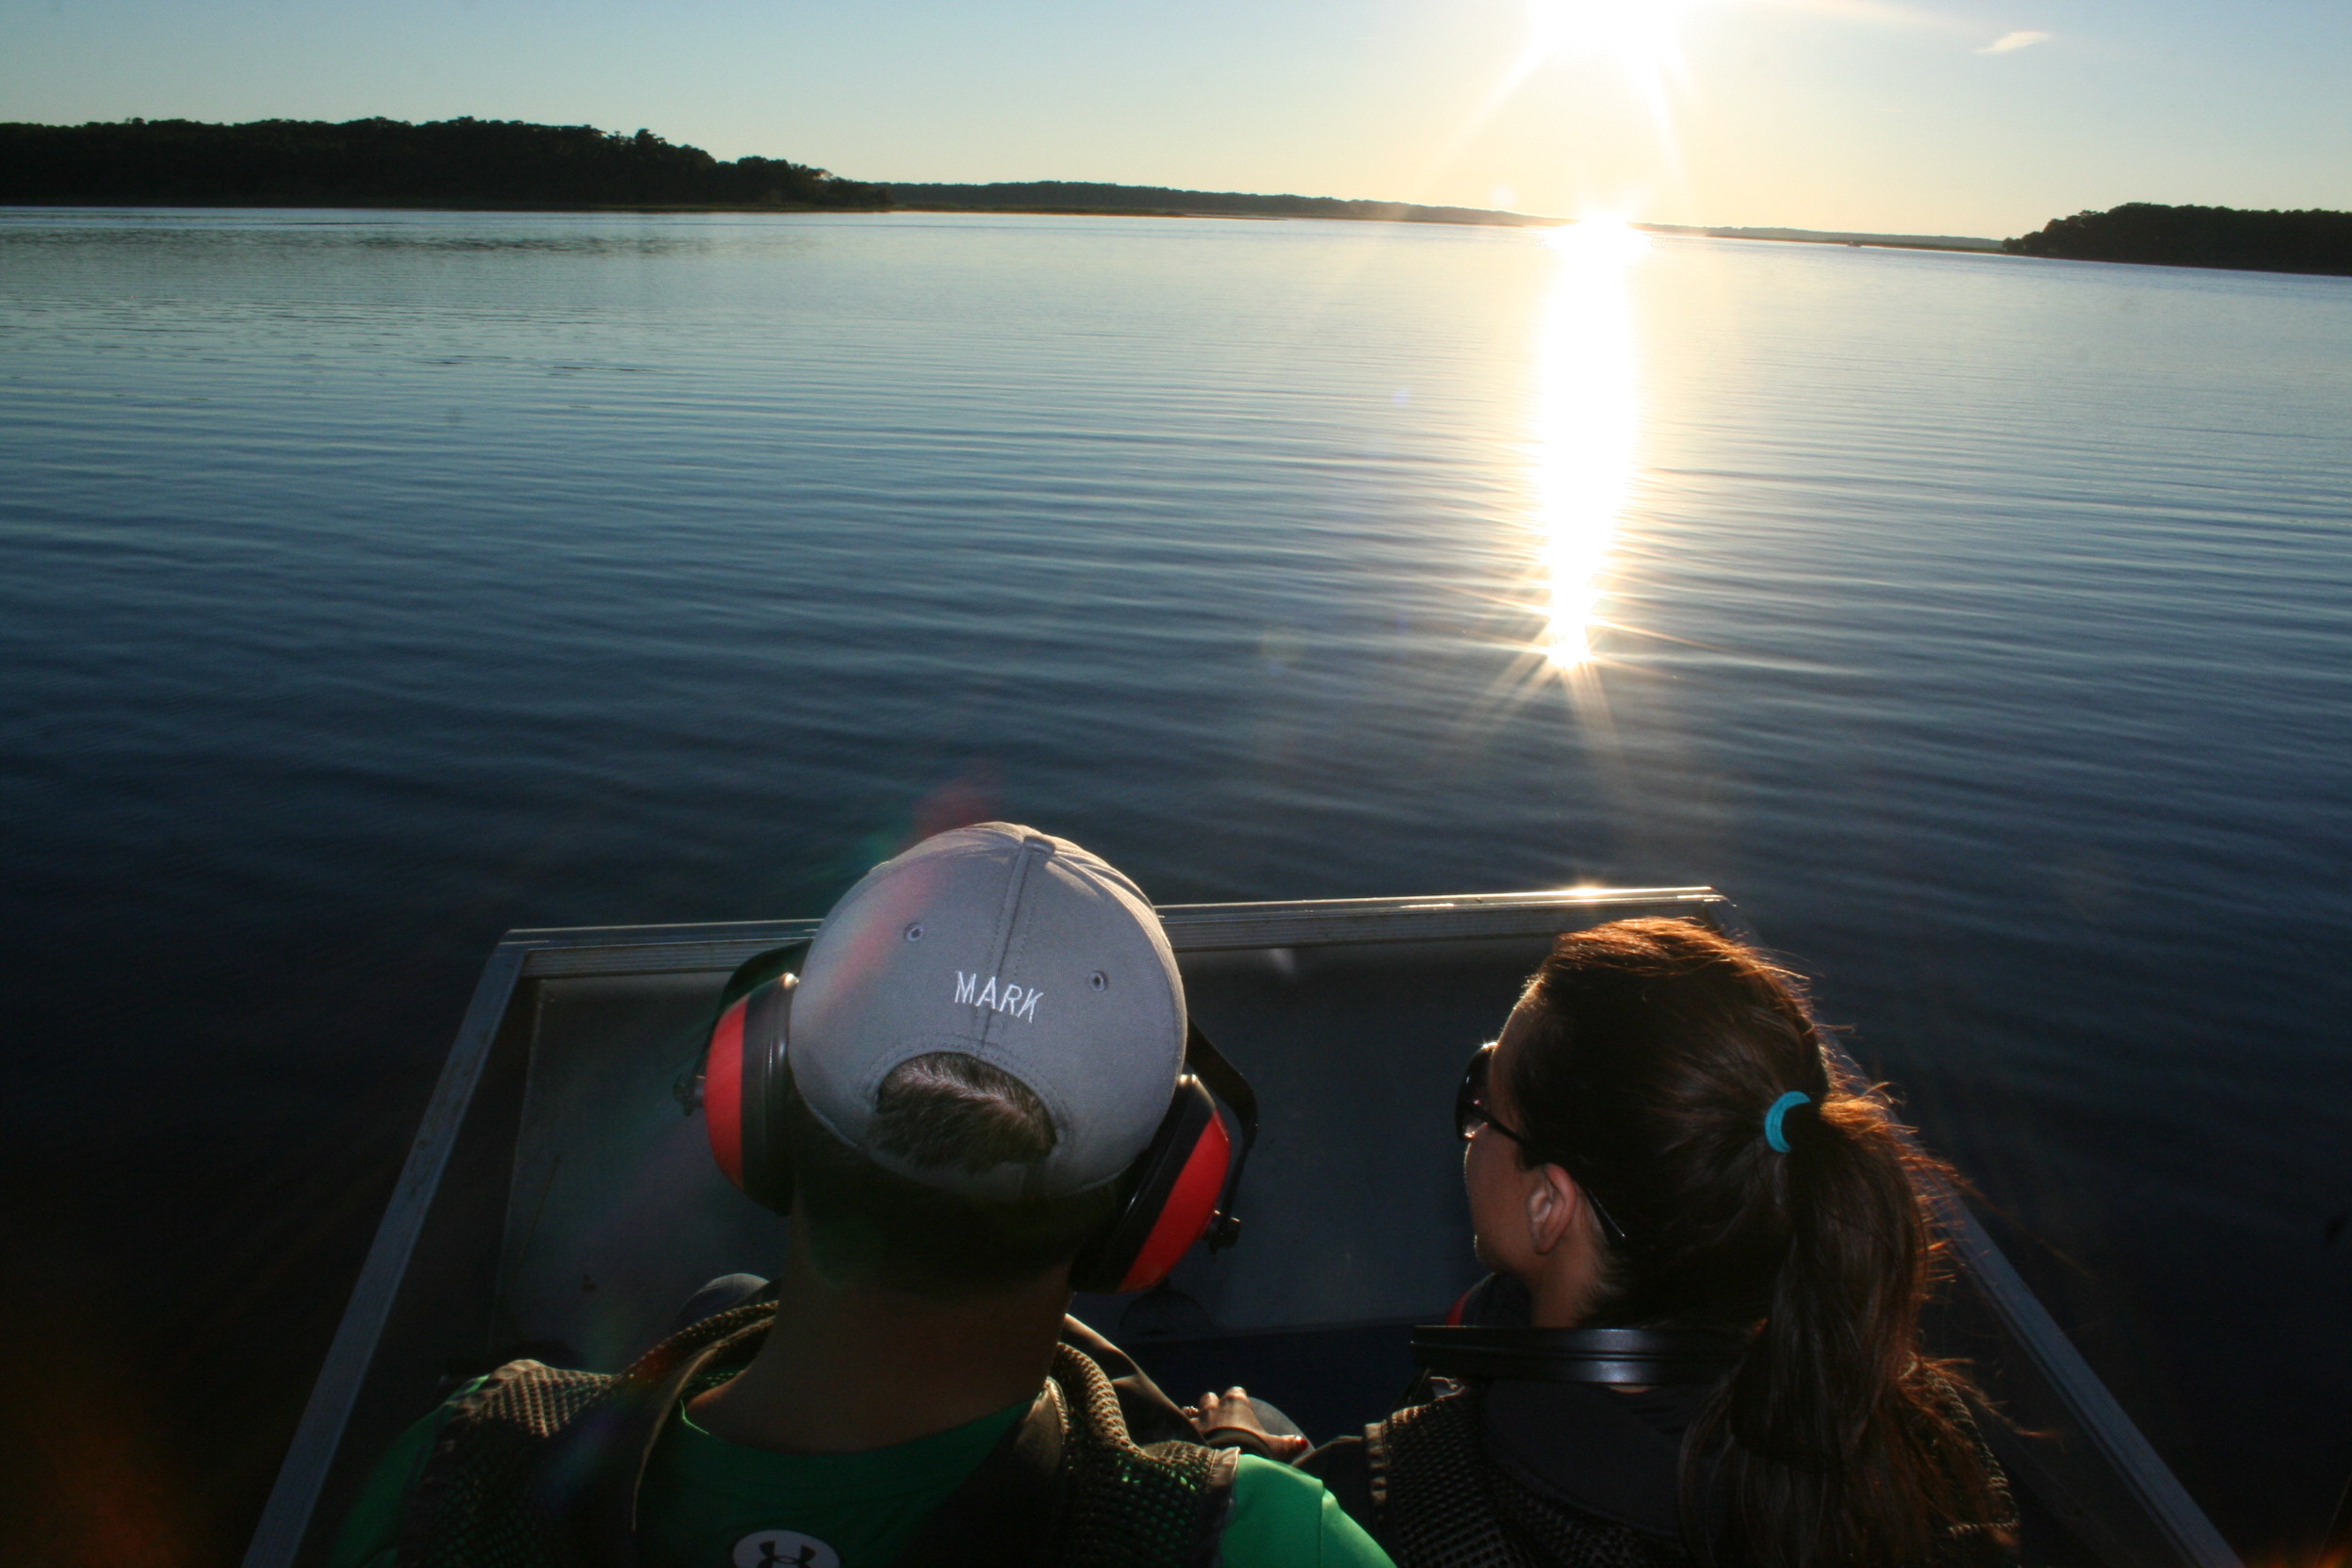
(977,1060)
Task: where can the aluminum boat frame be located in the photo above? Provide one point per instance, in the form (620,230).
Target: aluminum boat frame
(559,1199)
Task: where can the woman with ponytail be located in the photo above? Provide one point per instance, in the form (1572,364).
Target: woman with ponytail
(1660,1147)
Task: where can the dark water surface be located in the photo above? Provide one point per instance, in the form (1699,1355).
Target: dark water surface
(372,583)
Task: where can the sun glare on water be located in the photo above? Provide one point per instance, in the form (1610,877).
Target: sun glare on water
(1586,422)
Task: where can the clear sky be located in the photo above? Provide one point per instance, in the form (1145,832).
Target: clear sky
(1982,117)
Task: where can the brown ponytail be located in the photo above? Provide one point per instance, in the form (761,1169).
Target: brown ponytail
(1652,1051)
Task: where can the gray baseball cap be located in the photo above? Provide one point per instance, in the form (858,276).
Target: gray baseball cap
(1013,946)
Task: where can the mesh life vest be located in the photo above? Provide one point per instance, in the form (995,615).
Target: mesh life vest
(539,1468)
(1440,1500)
(1443,1503)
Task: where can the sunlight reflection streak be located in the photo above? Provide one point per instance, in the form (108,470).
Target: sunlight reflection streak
(1587,425)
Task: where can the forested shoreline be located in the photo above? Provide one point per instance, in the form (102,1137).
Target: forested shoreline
(509,164)
(513,164)
(465,162)
(2311,240)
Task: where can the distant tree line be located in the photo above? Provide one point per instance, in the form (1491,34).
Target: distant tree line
(2313,241)
(1082,196)
(496,163)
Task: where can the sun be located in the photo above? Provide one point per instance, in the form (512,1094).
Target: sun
(1641,39)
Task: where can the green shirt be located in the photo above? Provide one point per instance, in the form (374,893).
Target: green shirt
(709,1503)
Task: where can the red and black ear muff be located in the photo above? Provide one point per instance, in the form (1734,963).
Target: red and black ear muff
(1180,1188)
(1178,1191)
(1172,1198)
(745,1084)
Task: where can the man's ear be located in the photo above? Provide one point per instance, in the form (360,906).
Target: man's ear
(1553,1204)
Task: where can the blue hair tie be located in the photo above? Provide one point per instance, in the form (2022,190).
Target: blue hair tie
(1773,1117)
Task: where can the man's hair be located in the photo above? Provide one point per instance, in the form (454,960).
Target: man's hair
(871,1226)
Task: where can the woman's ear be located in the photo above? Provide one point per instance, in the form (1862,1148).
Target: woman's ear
(1554,1202)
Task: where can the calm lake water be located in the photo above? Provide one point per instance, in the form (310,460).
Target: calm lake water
(372,583)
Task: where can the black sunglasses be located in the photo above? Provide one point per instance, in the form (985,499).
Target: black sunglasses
(1472,1113)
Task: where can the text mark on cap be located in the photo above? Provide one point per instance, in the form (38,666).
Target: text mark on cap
(1012,999)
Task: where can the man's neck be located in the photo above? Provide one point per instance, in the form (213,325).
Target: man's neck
(848,1369)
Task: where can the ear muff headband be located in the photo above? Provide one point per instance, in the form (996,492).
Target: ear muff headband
(767,1090)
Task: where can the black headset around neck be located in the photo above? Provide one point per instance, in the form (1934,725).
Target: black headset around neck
(1633,1357)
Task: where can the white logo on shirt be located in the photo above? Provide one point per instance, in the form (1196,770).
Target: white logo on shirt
(784,1549)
